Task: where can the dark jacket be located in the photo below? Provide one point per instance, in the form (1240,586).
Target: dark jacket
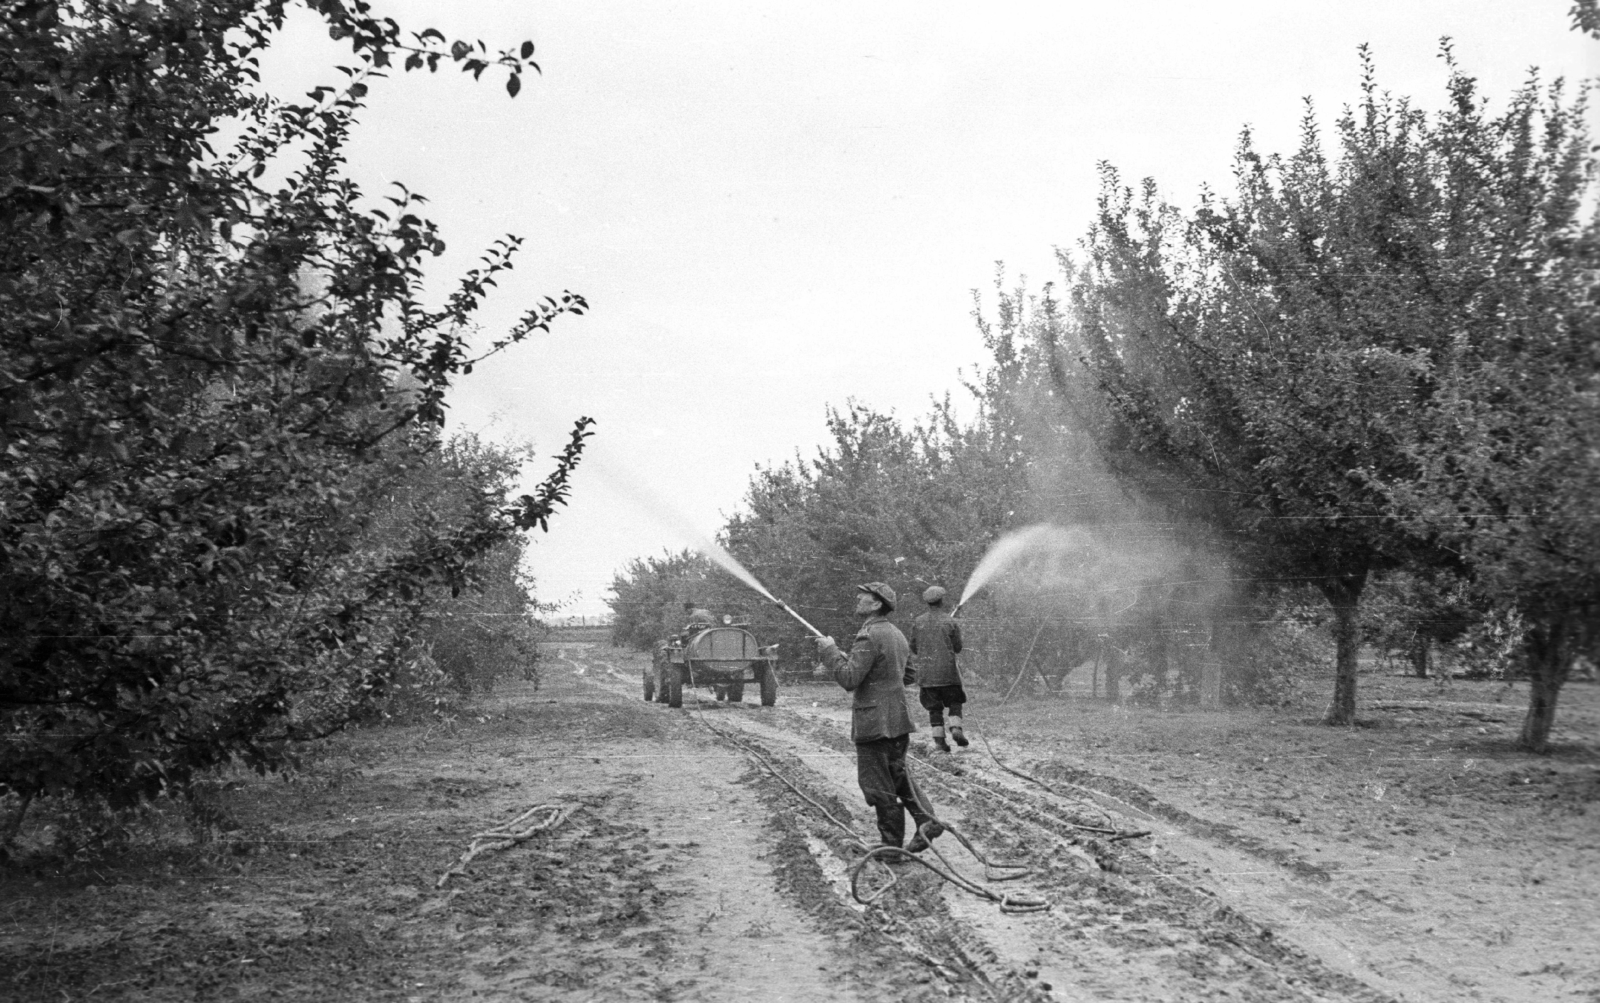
(935,640)
(877,670)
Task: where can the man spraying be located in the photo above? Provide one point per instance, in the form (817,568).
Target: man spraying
(877,671)
(936,640)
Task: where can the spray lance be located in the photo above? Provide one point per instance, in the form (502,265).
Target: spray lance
(662,509)
(785,607)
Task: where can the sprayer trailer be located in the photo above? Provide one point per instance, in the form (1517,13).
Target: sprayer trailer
(722,659)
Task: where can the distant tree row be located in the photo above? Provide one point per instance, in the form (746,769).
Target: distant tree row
(227,519)
(1374,361)
(911,505)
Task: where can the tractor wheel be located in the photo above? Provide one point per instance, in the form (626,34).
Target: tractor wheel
(661,674)
(736,692)
(650,685)
(674,686)
(769,685)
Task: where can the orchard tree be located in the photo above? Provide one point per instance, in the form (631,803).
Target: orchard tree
(1510,462)
(206,385)
(649,594)
(813,530)
(911,506)
(1273,364)
(1262,431)
(1414,614)
(470,637)
(651,599)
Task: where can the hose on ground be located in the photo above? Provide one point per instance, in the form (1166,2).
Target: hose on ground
(508,834)
(883,854)
(1115,834)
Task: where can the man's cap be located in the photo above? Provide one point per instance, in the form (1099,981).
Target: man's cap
(879,589)
(933,594)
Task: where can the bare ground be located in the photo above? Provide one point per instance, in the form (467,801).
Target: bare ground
(1416,857)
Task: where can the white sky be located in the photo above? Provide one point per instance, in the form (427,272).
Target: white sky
(771,209)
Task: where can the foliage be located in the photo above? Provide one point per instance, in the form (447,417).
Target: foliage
(1162,597)
(918,503)
(648,597)
(652,596)
(1585,16)
(1273,363)
(1509,456)
(469,639)
(1410,616)
(909,505)
(912,506)
(1372,362)
(482,637)
(205,386)
(1494,646)
(1269,662)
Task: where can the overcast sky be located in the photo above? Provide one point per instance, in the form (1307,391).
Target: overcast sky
(772,209)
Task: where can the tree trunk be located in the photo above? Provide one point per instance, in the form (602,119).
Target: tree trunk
(1344,595)
(1024,668)
(1113,673)
(1420,649)
(15,826)
(1550,652)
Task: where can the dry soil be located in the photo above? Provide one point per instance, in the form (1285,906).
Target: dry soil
(1415,857)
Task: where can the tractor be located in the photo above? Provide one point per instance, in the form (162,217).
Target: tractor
(720,658)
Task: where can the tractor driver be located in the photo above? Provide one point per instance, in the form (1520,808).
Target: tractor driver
(876,671)
(698,619)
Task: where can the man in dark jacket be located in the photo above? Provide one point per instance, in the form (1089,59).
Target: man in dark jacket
(877,672)
(936,640)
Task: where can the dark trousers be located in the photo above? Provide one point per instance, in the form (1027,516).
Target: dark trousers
(938,699)
(881,771)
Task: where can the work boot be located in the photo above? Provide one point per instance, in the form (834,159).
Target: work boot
(891,825)
(957,733)
(920,842)
(938,739)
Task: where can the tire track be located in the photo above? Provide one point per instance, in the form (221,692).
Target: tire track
(1127,922)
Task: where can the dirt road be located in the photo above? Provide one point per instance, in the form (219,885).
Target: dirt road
(685,869)
(1123,923)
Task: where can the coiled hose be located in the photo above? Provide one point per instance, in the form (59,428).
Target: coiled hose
(883,854)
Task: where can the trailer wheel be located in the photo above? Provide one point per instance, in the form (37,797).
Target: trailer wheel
(769,685)
(675,686)
(655,682)
(736,692)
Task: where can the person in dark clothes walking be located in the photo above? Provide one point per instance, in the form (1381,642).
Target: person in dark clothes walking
(936,640)
(877,671)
